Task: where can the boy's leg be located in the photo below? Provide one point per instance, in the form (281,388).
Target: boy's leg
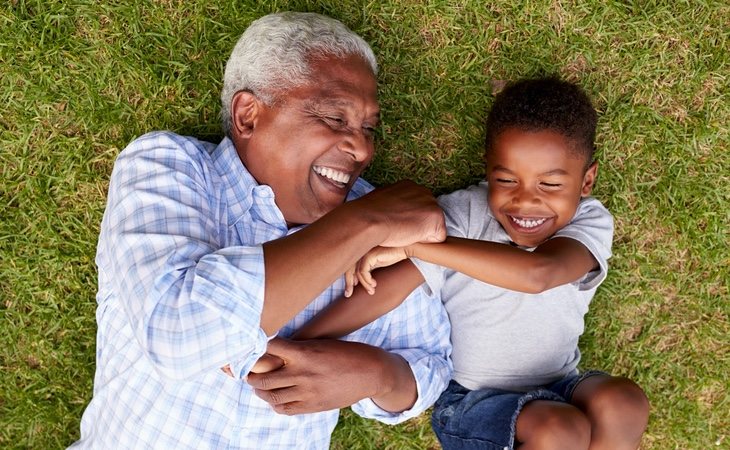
(474,420)
(546,425)
(493,419)
(617,409)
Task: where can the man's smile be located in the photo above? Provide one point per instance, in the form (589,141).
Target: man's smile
(335,176)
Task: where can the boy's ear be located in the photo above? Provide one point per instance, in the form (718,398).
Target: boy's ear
(589,179)
(245,107)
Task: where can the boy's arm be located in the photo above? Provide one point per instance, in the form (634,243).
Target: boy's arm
(553,263)
(346,315)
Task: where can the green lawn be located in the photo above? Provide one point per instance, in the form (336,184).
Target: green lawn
(79,80)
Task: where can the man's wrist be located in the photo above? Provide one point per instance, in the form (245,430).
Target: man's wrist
(363,222)
(396,389)
(415,250)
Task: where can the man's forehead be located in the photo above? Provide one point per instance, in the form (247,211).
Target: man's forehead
(331,99)
(339,98)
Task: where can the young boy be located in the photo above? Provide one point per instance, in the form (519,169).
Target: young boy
(527,249)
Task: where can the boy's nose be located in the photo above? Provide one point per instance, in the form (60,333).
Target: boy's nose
(524,195)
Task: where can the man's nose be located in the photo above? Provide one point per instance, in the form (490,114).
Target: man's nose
(358,145)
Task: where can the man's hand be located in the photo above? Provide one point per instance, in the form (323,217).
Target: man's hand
(409,212)
(321,375)
(266,363)
(374,259)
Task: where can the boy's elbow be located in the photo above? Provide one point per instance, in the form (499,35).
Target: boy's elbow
(539,278)
(535,288)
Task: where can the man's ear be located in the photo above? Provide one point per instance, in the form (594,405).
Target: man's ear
(245,107)
(589,179)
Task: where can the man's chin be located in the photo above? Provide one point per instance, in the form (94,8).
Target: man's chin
(313,213)
(330,206)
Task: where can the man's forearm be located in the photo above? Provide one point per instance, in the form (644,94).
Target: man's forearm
(300,266)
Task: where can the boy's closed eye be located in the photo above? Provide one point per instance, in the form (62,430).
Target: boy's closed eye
(551,185)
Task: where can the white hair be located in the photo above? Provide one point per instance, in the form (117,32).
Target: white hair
(274,55)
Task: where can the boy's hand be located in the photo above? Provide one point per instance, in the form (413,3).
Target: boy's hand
(374,259)
(350,280)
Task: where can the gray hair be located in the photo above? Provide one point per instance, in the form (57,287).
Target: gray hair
(274,55)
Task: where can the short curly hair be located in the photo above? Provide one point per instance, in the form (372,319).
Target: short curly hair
(547,103)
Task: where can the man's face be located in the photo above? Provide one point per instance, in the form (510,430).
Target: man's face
(535,183)
(311,146)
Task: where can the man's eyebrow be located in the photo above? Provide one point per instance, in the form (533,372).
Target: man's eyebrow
(318,102)
(329,101)
(325,97)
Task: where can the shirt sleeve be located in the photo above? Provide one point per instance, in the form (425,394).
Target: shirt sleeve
(191,304)
(459,209)
(419,331)
(592,226)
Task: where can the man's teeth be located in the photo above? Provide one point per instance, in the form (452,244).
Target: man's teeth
(528,223)
(332,174)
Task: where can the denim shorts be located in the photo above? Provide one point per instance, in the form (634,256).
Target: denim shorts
(485,419)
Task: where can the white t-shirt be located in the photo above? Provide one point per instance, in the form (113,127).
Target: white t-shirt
(506,339)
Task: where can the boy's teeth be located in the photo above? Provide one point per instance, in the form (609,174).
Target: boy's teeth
(528,223)
(332,174)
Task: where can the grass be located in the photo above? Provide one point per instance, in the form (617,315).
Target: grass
(80,79)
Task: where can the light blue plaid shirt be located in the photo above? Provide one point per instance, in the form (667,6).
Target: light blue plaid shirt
(181,288)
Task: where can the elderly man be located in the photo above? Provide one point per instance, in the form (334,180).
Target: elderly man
(207,252)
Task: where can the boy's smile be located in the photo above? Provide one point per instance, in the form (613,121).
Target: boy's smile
(536,181)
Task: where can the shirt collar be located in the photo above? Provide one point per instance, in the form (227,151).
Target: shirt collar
(241,191)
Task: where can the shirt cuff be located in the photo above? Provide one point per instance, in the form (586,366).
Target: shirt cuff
(242,367)
(431,380)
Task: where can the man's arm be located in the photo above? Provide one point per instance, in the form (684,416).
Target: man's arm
(345,372)
(195,305)
(398,375)
(300,266)
(190,303)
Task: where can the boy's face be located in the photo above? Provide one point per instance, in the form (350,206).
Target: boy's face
(535,183)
